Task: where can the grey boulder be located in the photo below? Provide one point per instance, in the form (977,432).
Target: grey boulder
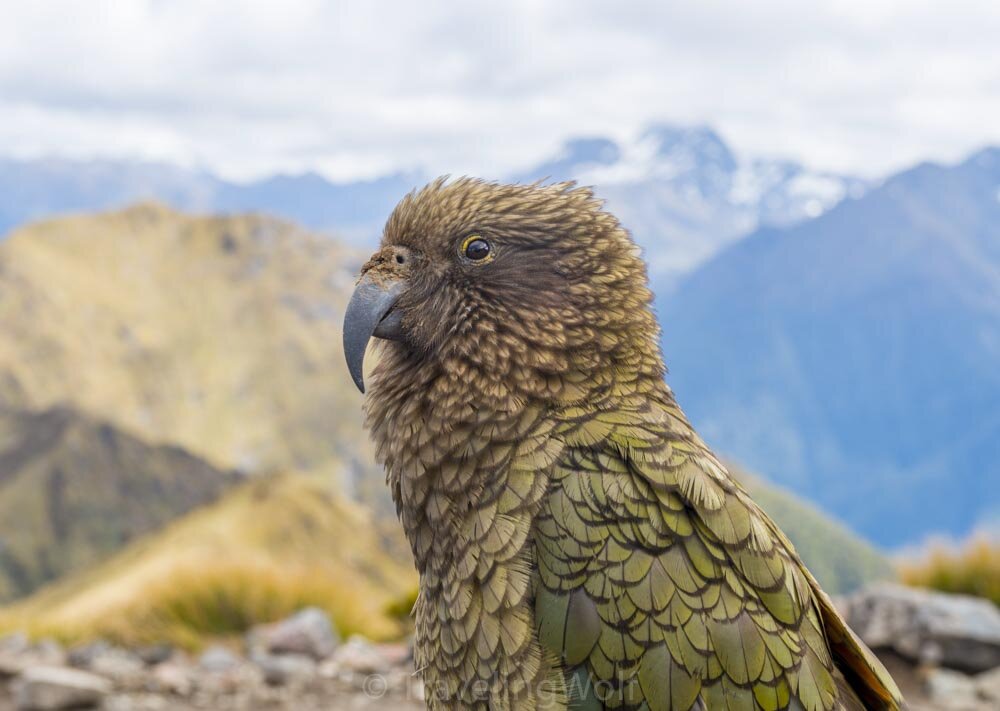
(308,632)
(51,688)
(931,628)
(281,669)
(218,659)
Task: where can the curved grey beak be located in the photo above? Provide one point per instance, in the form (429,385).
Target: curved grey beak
(369,313)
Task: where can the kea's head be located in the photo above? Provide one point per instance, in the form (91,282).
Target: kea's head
(516,289)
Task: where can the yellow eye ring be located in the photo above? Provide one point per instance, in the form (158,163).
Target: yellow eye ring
(477,250)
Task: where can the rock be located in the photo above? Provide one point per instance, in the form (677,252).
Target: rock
(121,666)
(951,690)
(155,653)
(125,668)
(242,679)
(14,643)
(139,702)
(218,659)
(282,669)
(955,631)
(360,656)
(47,652)
(45,688)
(988,687)
(81,656)
(172,678)
(12,646)
(399,654)
(17,654)
(307,632)
(10,667)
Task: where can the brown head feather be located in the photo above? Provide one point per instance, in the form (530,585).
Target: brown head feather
(565,289)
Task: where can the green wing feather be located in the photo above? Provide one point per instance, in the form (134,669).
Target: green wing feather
(663,587)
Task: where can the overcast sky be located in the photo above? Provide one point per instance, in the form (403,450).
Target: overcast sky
(357,89)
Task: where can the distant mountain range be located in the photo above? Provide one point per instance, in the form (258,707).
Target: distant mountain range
(685,194)
(37,189)
(839,335)
(855,357)
(682,191)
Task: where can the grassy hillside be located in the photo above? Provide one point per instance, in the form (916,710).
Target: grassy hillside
(219,334)
(266,549)
(840,560)
(73,490)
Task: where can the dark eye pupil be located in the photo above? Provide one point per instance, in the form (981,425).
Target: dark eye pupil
(477,249)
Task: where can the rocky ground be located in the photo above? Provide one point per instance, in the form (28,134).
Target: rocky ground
(944,651)
(298,664)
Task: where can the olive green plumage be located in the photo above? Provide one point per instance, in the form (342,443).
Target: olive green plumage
(578,544)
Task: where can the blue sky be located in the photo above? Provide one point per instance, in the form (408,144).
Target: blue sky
(358,89)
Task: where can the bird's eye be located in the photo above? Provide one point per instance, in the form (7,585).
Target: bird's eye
(476,249)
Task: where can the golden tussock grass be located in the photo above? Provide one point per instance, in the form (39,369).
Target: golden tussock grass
(973,569)
(266,550)
(192,604)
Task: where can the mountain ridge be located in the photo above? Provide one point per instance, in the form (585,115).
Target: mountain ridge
(73,488)
(272,542)
(682,190)
(32,190)
(867,341)
(197,330)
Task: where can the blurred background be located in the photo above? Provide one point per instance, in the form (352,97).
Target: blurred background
(187,190)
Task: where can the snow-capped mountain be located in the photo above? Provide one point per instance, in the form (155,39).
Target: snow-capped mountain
(682,191)
(685,194)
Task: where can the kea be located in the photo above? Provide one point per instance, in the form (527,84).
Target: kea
(579,546)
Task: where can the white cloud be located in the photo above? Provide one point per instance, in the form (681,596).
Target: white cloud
(360,88)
